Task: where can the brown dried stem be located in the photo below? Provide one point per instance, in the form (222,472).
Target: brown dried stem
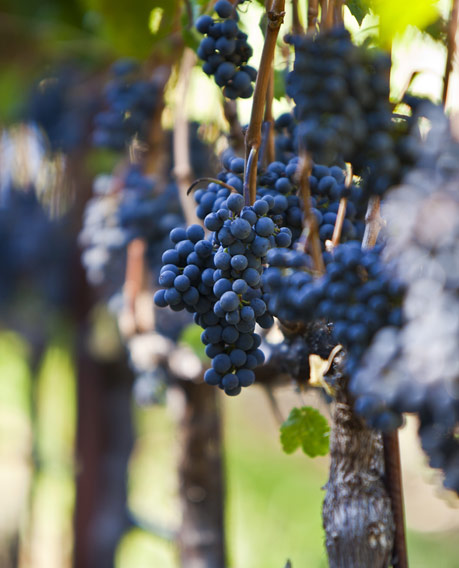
(393,474)
(236,136)
(373,222)
(393,480)
(182,168)
(250,165)
(341,209)
(338,13)
(313,12)
(269,119)
(156,157)
(329,14)
(209,180)
(253,135)
(134,283)
(297,26)
(451,47)
(310,221)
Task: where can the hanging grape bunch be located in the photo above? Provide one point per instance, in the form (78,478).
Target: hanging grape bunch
(219,279)
(341,93)
(130,105)
(225,51)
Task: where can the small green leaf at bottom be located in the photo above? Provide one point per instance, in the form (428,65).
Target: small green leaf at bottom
(307,428)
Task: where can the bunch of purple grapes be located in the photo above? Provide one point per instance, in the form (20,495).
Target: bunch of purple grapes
(225,52)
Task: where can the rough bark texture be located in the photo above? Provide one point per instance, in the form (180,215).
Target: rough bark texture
(201,540)
(357,512)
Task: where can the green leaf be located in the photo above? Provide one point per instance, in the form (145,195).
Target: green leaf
(306,428)
(394,17)
(358,8)
(279,83)
(191,336)
(137,30)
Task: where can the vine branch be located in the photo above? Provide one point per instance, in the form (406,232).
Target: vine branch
(297,27)
(310,221)
(392,466)
(253,135)
(236,135)
(373,222)
(394,486)
(451,48)
(342,209)
(313,11)
(209,180)
(182,168)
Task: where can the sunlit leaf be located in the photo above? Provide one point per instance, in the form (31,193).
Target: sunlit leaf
(395,17)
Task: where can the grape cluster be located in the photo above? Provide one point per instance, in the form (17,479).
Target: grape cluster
(102,240)
(130,105)
(415,368)
(62,110)
(115,216)
(279,181)
(34,250)
(225,52)
(355,294)
(220,281)
(285,137)
(341,93)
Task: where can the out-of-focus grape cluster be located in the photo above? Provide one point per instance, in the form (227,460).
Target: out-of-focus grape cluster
(416,368)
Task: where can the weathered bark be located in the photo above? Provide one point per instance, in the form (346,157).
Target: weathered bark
(357,514)
(201,537)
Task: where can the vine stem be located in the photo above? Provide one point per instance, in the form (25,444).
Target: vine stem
(313,11)
(392,466)
(209,180)
(250,166)
(269,119)
(342,209)
(182,168)
(310,221)
(393,480)
(253,135)
(236,135)
(373,222)
(297,27)
(451,48)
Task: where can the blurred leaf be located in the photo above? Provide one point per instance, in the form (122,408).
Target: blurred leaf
(306,428)
(395,17)
(13,91)
(358,8)
(136,30)
(191,37)
(438,30)
(279,83)
(191,336)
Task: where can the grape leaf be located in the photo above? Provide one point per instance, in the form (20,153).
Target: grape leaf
(191,336)
(306,428)
(358,8)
